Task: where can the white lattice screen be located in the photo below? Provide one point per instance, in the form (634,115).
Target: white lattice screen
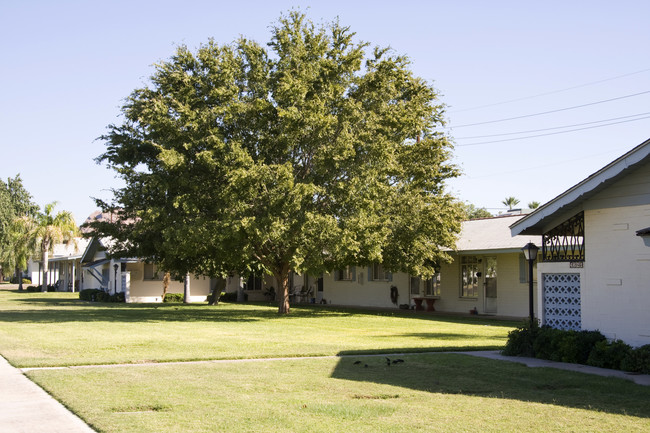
(562,308)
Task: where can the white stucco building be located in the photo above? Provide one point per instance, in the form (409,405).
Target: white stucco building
(594,272)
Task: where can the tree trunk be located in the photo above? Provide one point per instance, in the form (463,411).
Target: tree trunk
(166,278)
(282,280)
(45,269)
(20,278)
(240,291)
(186,289)
(219,287)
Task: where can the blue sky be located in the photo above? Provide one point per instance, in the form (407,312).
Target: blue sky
(68,65)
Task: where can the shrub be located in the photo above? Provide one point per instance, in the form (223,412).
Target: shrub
(33,289)
(547,343)
(606,354)
(14,280)
(96,295)
(231,297)
(637,360)
(520,340)
(173,297)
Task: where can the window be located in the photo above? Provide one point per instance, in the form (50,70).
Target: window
(254,282)
(346,274)
(523,269)
(469,266)
(152,273)
(415,286)
(376,272)
(432,285)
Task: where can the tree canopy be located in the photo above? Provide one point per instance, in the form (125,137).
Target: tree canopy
(15,202)
(306,155)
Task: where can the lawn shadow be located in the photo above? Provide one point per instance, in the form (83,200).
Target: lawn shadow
(460,374)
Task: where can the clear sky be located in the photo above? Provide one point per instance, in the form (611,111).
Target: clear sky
(68,65)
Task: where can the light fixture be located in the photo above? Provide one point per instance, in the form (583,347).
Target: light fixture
(530,253)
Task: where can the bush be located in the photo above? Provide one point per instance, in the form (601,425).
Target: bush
(637,360)
(173,297)
(231,297)
(14,280)
(547,342)
(96,295)
(606,354)
(33,289)
(520,340)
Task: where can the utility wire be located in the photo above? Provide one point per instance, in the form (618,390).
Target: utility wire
(550,93)
(551,128)
(552,111)
(551,133)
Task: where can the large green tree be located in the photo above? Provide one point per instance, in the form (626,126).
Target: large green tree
(15,202)
(309,154)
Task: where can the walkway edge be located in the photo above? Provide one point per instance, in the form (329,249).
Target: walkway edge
(639,379)
(27,408)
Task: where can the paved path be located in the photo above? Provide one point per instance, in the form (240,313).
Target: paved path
(26,408)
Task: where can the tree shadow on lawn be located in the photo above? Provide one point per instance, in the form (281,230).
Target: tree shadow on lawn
(121,313)
(460,374)
(59,309)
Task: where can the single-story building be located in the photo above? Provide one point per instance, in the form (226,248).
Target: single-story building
(138,280)
(488,275)
(594,270)
(64,266)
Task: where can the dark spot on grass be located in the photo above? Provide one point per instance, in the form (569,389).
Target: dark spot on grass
(375,397)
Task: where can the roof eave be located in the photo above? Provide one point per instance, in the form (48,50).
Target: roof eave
(532,224)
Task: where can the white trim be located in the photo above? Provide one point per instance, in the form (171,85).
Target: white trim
(574,195)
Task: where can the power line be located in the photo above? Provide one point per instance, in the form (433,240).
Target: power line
(553,111)
(550,93)
(552,164)
(551,128)
(551,133)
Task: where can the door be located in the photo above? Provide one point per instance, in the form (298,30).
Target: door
(490,285)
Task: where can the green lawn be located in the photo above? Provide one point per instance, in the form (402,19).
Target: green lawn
(57,329)
(426,392)
(439,392)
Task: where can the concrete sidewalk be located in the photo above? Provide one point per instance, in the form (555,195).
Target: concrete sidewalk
(26,408)
(639,379)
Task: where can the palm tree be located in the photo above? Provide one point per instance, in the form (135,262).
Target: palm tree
(46,230)
(20,249)
(510,202)
(533,205)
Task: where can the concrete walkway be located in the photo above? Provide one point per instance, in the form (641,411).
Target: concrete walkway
(26,408)
(639,379)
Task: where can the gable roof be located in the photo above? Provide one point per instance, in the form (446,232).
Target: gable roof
(570,202)
(492,235)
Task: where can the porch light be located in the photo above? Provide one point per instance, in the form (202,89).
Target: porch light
(530,253)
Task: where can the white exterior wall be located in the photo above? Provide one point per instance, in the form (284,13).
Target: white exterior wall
(616,288)
(142,290)
(364,293)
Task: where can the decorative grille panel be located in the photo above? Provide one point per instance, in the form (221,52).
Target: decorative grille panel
(562,309)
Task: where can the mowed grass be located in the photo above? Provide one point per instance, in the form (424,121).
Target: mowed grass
(355,392)
(57,329)
(427,392)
